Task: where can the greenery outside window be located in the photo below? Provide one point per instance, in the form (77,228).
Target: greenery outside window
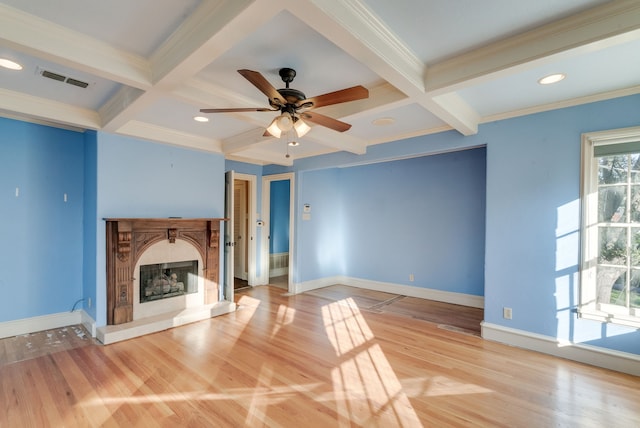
(610,230)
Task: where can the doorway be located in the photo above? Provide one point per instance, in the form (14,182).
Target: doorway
(277,249)
(240,230)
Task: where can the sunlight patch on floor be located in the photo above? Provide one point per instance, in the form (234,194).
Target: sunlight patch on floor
(284,317)
(365,387)
(439,386)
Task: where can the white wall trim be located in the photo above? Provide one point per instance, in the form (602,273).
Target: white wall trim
(88,323)
(387,287)
(301,287)
(40,323)
(420,292)
(606,358)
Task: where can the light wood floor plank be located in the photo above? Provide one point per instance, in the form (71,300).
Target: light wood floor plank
(335,357)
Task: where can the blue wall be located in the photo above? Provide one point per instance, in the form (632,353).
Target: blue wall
(279,216)
(319,240)
(533,220)
(142,179)
(41,251)
(423,216)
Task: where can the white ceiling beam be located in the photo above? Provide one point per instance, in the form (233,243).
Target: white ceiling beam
(261,157)
(352,26)
(336,140)
(207,33)
(455,111)
(148,131)
(244,141)
(49,110)
(610,23)
(46,40)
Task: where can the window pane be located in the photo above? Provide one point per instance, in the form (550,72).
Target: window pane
(612,203)
(612,169)
(634,298)
(635,167)
(611,285)
(613,245)
(635,246)
(635,204)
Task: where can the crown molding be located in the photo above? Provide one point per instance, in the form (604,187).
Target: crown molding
(48,111)
(562,104)
(611,23)
(148,131)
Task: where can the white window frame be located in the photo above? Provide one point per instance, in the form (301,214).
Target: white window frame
(589,307)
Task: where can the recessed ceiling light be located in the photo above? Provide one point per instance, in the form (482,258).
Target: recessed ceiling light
(552,78)
(201,119)
(11,65)
(383,121)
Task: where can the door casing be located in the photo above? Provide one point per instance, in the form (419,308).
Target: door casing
(266,206)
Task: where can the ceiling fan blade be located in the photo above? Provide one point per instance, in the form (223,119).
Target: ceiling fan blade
(342,96)
(233,110)
(327,121)
(263,85)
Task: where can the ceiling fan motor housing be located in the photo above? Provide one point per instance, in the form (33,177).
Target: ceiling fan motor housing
(291,96)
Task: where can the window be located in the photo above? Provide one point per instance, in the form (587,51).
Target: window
(610,231)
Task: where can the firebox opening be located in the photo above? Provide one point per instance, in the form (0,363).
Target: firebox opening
(164,280)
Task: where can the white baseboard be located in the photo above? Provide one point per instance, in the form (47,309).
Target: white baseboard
(588,354)
(41,323)
(278,272)
(387,287)
(422,293)
(314,284)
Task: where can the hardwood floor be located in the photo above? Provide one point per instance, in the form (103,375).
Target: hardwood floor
(312,360)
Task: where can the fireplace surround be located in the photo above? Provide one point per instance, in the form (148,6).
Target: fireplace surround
(130,241)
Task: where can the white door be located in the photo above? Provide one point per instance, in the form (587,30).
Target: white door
(228,236)
(240,228)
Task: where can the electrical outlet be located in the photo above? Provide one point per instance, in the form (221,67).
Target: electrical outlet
(411,278)
(89,302)
(507,313)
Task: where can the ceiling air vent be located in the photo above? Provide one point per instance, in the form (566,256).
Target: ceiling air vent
(61,78)
(52,75)
(75,82)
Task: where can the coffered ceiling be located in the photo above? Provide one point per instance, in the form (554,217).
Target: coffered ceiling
(429,65)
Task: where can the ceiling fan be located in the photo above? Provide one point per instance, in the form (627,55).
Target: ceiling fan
(293,104)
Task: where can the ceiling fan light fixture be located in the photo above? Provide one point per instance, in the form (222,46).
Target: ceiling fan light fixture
(273,128)
(282,123)
(301,127)
(294,143)
(285,122)
(201,119)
